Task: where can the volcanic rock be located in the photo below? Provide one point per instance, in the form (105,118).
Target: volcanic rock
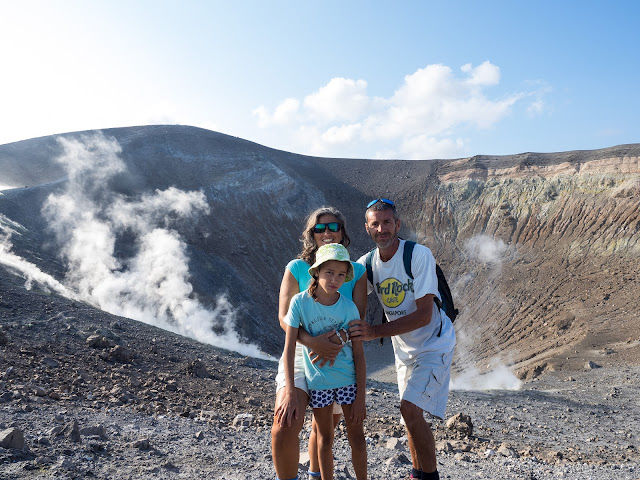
(12,438)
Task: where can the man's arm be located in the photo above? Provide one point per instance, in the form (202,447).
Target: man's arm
(361,330)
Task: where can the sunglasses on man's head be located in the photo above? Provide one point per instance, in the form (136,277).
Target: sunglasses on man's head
(383,200)
(321,227)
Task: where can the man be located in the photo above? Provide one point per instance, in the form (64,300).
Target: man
(423,338)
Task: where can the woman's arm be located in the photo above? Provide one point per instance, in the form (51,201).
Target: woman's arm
(359,410)
(288,409)
(288,288)
(359,295)
(324,349)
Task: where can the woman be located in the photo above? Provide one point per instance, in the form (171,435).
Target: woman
(324,225)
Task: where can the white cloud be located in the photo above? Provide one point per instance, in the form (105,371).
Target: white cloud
(341,134)
(340,99)
(284,113)
(427,86)
(484,74)
(536,108)
(423,118)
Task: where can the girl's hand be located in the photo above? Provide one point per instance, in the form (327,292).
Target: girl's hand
(287,411)
(358,410)
(322,349)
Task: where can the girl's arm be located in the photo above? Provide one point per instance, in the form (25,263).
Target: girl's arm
(359,410)
(288,409)
(321,346)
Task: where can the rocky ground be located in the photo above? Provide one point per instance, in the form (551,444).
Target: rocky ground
(84,394)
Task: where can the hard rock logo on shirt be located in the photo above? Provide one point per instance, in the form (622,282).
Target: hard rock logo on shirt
(392,291)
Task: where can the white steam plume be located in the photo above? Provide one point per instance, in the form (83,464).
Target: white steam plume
(30,272)
(487,250)
(491,252)
(498,378)
(151,286)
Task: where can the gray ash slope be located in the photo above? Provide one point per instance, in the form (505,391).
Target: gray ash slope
(564,226)
(100,396)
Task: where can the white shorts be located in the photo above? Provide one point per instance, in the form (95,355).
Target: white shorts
(425,382)
(299,380)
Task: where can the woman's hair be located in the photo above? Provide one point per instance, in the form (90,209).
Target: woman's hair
(309,246)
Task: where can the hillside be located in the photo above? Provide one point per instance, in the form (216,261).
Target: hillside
(540,249)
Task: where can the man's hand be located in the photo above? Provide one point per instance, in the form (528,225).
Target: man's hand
(361,330)
(322,349)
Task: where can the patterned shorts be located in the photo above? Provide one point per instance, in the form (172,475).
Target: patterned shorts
(341,396)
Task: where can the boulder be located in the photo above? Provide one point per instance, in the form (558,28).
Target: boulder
(12,438)
(70,430)
(461,423)
(399,460)
(243,420)
(50,362)
(141,444)
(507,451)
(394,444)
(95,430)
(197,369)
(98,341)
(120,354)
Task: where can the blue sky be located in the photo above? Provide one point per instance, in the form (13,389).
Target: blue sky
(406,79)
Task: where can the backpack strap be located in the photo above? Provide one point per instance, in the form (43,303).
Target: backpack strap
(368,262)
(407,255)
(369,266)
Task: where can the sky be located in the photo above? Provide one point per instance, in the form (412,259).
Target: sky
(350,79)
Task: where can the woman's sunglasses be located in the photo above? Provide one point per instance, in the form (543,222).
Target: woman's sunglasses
(383,200)
(321,227)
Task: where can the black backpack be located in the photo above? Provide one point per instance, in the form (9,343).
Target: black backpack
(445,305)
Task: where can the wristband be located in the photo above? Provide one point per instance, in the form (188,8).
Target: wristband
(344,342)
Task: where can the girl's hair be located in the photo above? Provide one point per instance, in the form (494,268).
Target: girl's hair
(309,246)
(313,286)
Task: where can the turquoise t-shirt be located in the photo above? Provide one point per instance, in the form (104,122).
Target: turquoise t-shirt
(316,319)
(300,271)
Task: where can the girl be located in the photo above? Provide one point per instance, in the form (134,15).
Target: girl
(323,226)
(318,310)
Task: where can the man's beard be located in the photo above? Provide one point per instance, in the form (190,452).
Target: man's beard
(387,243)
